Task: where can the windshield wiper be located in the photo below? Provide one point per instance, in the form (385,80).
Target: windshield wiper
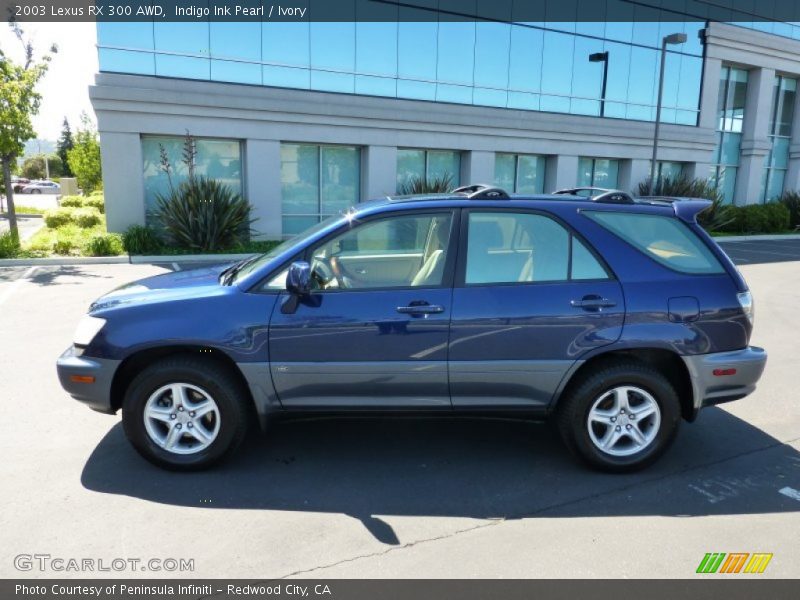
(226,277)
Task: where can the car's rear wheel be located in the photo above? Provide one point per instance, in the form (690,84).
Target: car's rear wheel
(34,191)
(185,413)
(620,417)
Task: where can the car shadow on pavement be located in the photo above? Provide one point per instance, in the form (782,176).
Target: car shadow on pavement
(462,467)
(54,275)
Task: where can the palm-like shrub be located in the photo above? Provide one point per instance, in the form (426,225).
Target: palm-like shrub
(420,185)
(791,200)
(205,215)
(715,218)
(141,239)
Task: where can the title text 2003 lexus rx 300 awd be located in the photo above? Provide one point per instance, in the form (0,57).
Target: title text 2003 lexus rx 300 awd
(616,316)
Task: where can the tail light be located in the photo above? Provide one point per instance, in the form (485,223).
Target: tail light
(746,302)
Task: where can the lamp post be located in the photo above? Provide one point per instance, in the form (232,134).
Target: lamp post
(603,58)
(673,38)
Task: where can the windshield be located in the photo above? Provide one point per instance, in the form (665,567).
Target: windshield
(285,247)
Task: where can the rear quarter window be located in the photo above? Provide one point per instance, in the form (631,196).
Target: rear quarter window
(664,239)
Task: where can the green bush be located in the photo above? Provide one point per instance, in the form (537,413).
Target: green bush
(58,217)
(73,201)
(205,215)
(63,245)
(96,201)
(9,246)
(103,244)
(791,200)
(140,239)
(772,217)
(96,193)
(419,185)
(86,217)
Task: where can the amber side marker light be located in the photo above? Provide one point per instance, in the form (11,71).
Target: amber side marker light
(82,378)
(721,372)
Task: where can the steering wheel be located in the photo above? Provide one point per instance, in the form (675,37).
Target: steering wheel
(325,271)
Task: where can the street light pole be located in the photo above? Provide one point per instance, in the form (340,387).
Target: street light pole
(674,38)
(602,57)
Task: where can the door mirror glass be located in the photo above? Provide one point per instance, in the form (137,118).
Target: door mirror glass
(298,279)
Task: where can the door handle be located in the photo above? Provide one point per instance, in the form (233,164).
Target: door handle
(420,309)
(593,302)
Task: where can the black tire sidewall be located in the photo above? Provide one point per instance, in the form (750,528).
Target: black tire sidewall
(651,382)
(157,376)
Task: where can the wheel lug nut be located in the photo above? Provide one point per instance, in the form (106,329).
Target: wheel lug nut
(618,428)
(190,425)
(178,425)
(180,408)
(172,416)
(627,426)
(191,414)
(613,419)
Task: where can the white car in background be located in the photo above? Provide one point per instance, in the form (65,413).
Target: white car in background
(42,187)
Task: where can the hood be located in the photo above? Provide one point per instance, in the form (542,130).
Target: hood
(179,285)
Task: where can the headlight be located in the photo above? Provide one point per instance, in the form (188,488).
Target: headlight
(746,302)
(87,329)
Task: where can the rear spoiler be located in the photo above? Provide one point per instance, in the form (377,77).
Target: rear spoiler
(688,209)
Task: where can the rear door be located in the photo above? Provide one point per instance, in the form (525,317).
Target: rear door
(530,299)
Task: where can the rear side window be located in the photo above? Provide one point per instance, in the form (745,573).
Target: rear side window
(664,239)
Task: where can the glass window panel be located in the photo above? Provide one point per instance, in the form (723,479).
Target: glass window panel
(584,264)
(484,97)
(726,183)
(236,72)
(619,60)
(505,171)
(292,77)
(454,93)
(417,47)
(416,90)
(123,61)
(186,38)
(587,76)
(788,90)
(524,101)
(333,82)
(299,179)
(689,80)
(294,225)
(780,153)
(376,49)
(642,83)
(456,52)
(376,86)
(236,40)
(410,165)
(492,42)
(670,170)
(184,67)
(125,35)
(558,51)
(333,47)
(220,160)
(585,170)
(443,163)
(729,149)
(285,44)
(605,173)
(525,66)
(530,174)
(340,177)
(774,184)
(515,248)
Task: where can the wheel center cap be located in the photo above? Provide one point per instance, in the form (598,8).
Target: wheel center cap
(183,417)
(623,419)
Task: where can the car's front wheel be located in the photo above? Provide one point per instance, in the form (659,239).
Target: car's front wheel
(185,413)
(620,417)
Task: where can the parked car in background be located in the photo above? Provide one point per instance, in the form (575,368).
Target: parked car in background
(18,183)
(42,187)
(617,317)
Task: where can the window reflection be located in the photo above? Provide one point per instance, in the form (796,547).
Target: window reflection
(427,165)
(598,172)
(520,173)
(730,116)
(780,131)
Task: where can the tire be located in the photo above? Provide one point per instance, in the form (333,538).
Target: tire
(223,425)
(36,191)
(589,417)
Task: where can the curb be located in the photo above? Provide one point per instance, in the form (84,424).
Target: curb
(757,238)
(189,258)
(72,260)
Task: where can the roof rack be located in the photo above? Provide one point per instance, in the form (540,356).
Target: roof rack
(606,195)
(481,191)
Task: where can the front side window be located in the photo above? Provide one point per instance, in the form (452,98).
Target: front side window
(506,247)
(664,239)
(395,252)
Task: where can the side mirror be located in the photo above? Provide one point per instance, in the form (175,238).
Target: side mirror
(298,279)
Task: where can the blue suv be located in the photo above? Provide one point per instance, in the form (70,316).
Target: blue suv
(616,316)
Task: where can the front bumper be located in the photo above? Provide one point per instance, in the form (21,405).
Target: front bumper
(97,394)
(737,374)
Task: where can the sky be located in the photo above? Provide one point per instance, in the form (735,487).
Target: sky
(64,88)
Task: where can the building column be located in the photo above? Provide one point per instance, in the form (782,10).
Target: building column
(755,143)
(792,181)
(379,172)
(560,172)
(709,98)
(263,187)
(477,166)
(632,173)
(123,184)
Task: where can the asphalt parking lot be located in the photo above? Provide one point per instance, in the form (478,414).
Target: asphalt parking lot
(392,498)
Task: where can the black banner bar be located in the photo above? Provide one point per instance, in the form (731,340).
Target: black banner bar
(735,587)
(536,11)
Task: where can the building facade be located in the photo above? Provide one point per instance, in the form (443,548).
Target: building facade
(306,118)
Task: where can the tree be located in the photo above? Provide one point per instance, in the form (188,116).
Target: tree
(84,158)
(34,167)
(64,145)
(19,101)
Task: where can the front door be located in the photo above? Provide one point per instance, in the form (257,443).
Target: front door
(373,333)
(529,300)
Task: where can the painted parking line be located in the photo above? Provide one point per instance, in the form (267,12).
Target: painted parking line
(790,492)
(15,285)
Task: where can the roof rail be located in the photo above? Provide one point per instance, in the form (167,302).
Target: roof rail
(481,191)
(605,196)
